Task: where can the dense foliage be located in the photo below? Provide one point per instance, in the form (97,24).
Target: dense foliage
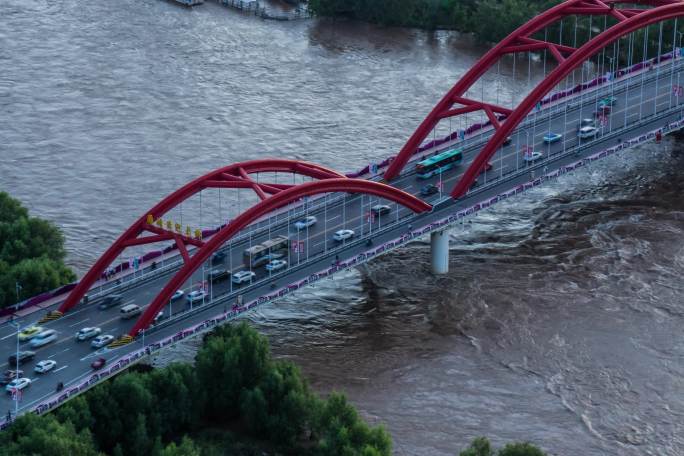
(31,254)
(235,389)
(481,447)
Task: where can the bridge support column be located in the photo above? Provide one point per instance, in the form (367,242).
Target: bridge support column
(439,248)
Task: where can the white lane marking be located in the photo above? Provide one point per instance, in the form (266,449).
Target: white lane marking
(131,301)
(63,367)
(7,337)
(78,322)
(59,352)
(33,380)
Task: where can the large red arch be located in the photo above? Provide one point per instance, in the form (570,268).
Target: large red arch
(231,176)
(264,207)
(593,46)
(518,41)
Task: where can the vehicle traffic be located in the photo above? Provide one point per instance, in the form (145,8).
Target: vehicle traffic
(129,311)
(429,189)
(438,163)
(29,332)
(177,295)
(110,301)
(255,256)
(587,132)
(45,366)
(609,101)
(101,341)
(99,363)
(276,265)
(551,138)
(43,338)
(10,375)
(380,209)
(18,384)
(197,295)
(306,222)
(24,356)
(217,274)
(241,277)
(586,123)
(87,333)
(531,156)
(343,235)
(218,257)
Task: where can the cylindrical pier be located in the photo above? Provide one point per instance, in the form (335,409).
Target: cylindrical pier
(439,247)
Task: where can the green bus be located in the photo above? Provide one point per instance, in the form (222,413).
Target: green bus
(438,163)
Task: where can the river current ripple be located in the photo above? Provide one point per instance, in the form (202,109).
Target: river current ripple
(560,320)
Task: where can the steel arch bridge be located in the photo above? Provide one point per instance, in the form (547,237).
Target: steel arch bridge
(625,19)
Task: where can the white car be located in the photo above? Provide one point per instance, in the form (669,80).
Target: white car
(343,235)
(305,222)
(18,383)
(276,265)
(532,156)
(44,338)
(243,276)
(196,295)
(177,295)
(587,132)
(101,341)
(380,209)
(45,366)
(87,333)
(550,137)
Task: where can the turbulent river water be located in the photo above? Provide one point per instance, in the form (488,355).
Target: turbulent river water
(561,319)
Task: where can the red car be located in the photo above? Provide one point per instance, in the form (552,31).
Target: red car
(98,363)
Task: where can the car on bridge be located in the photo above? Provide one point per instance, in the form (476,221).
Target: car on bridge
(602,110)
(87,333)
(217,274)
(99,363)
(101,341)
(24,357)
(586,123)
(197,295)
(429,189)
(607,101)
(266,259)
(218,257)
(129,311)
(531,156)
(380,209)
(18,384)
(10,375)
(587,132)
(29,332)
(551,138)
(177,295)
(305,222)
(110,301)
(343,235)
(241,277)
(276,265)
(45,366)
(43,338)
(508,140)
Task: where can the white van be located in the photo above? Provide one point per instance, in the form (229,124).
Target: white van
(44,338)
(130,311)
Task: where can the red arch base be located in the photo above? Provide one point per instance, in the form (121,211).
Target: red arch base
(266,206)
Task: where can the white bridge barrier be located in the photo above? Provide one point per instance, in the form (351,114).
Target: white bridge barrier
(134,357)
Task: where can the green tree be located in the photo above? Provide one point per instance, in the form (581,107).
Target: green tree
(520,449)
(31,254)
(186,448)
(44,435)
(479,447)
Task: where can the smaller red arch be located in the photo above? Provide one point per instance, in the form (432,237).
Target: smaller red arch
(231,176)
(346,185)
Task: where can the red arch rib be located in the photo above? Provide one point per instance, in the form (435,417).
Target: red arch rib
(517,41)
(283,198)
(231,176)
(593,46)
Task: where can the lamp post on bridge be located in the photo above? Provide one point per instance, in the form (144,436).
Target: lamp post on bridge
(16,375)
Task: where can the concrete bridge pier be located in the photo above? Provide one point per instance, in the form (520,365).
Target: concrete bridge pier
(439,249)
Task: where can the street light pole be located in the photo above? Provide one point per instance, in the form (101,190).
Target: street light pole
(16,375)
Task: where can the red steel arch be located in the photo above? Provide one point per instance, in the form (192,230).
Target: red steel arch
(232,176)
(518,41)
(347,185)
(593,46)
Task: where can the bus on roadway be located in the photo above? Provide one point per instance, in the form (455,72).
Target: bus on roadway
(257,255)
(438,163)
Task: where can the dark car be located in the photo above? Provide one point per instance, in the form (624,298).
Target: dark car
(10,375)
(24,356)
(110,301)
(218,257)
(218,274)
(507,141)
(380,209)
(98,363)
(429,189)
